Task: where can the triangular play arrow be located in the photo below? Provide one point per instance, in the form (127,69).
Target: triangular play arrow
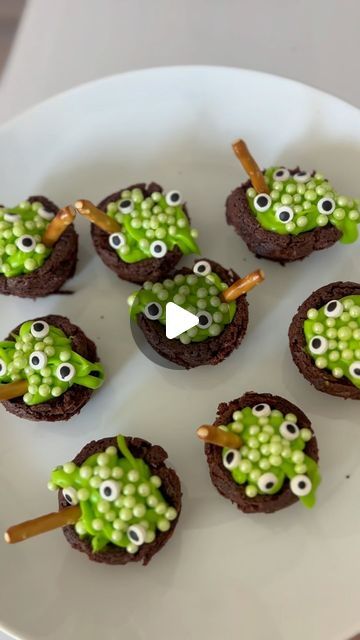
(178,320)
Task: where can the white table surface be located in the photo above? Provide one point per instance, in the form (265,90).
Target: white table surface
(62,43)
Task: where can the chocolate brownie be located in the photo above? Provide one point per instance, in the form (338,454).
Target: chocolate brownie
(210,351)
(221,477)
(70,402)
(270,245)
(155,457)
(59,266)
(321,379)
(151,269)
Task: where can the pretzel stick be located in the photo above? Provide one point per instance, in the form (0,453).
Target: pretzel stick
(243,285)
(214,435)
(30,528)
(58,225)
(251,167)
(97,217)
(10,390)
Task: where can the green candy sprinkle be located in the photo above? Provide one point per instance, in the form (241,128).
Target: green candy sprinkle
(263,470)
(313,204)
(337,348)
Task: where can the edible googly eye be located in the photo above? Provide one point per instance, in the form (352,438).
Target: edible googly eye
(261,410)
(302,176)
(3,367)
(12,217)
(173,198)
(109,490)
(267,482)
(262,202)
(136,533)
(202,268)
(38,360)
(281,174)
(289,430)
(153,311)
(300,485)
(205,319)
(126,206)
(354,370)
(26,244)
(39,329)
(70,495)
(158,249)
(284,214)
(65,372)
(45,215)
(326,206)
(231,459)
(116,240)
(318,345)
(334,309)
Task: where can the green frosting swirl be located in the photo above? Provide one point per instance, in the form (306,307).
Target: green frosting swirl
(149,220)
(271,454)
(120,500)
(198,294)
(48,363)
(333,341)
(303,201)
(18,254)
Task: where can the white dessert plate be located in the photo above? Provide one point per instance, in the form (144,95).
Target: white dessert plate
(285,576)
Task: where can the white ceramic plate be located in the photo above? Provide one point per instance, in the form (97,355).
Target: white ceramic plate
(285,576)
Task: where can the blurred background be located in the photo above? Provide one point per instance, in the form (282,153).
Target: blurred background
(10,12)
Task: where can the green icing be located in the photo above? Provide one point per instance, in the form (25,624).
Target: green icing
(195,293)
(39,360)
(266,450)
(15,233)
(149,220)
(303,202)
(120,500)
(333,342)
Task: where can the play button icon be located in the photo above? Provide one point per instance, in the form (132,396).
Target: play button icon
(178,320)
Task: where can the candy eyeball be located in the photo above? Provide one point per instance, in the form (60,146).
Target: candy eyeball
(12,217)
(334,309)
(262,202)
(267,482)
(38,360)
(126,206)
(289,430)
(109,490)
(116,240)
(136,533)
(39,329)
(3,367)
(65,372)
(261,410)
(281,174)
(284,214)
(158,249)
(318,345)
(300,485)
(153,311)
(26,243)
(302,176)
(231,459)
(45,215)
(205,319)
(326,206)
(173,198)
(202,268)
(354,370)
(70,495)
